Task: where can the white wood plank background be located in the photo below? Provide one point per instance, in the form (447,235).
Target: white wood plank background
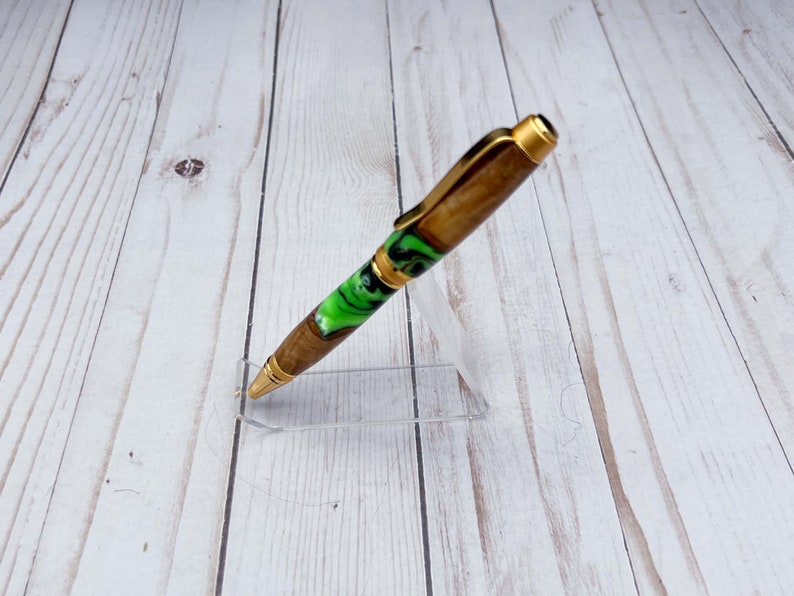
(631,304)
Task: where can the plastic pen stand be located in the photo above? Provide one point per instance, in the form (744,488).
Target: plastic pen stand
(379,396)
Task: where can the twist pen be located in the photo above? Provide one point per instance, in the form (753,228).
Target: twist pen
(472,190)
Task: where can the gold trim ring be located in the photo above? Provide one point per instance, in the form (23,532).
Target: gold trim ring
(276,373)
(384,268)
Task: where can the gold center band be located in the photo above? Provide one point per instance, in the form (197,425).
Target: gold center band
(384,268)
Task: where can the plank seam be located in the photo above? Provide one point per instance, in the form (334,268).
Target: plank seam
(420,467)
(115,265)
(690,554)
(790,153)
(778,134)
(565,308)
(788,149)
(686,227)
(235,447)
(693,245)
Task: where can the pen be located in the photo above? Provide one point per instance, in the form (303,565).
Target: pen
(472,190)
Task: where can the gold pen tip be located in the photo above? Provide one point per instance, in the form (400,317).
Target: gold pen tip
(536,137)
(269,378)
(262,385)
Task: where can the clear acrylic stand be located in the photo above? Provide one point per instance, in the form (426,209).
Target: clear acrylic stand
(378,396)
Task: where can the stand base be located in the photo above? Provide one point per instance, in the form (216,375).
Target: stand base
(337,399)
(377,396)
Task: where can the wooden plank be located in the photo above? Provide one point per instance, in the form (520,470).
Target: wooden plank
(757,36)
(138,503)
(518,502)
(64,210)
(29,35)
(692,458)
(740,227)
(329,511)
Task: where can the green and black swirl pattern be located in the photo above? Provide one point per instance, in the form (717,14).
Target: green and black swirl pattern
(363,293)
(411,253)
(353,302)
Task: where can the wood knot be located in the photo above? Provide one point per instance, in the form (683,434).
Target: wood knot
(188,168)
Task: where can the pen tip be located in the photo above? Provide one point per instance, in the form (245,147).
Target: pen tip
(262,385)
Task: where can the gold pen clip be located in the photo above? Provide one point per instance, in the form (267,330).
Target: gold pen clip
(488,142)
(534,136)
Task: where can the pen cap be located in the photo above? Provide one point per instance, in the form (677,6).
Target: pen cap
(535,136)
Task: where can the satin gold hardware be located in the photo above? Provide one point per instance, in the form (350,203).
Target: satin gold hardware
(384,268)
(534,136)
(488,142)
(269,378)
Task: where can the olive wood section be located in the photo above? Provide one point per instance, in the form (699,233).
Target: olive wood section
(304,346)
(475,197)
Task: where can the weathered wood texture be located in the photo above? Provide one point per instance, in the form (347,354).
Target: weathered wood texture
(538,445)
(29,36)
(143,474)
(756,37)
(333,510)
(65,205)
(631,305)
(737,201)
(682,431)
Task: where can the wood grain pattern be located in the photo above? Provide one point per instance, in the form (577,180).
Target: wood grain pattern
(740,230)
(143,476)
(29,35)
(64,208)
(681,431)
(757,37)
(161,215)
(305,346)
(520,502)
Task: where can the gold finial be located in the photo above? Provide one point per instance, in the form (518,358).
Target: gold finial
(535,136)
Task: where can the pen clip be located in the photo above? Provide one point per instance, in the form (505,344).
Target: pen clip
(488,142)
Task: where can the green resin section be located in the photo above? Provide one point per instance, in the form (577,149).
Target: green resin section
(363,293)
(411,253)
(352,303)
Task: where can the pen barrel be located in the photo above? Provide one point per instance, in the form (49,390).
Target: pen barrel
(475,188)
(410,252)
